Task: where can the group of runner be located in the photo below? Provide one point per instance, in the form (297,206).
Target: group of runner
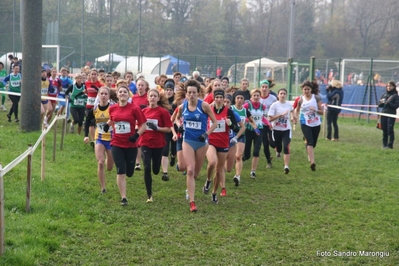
(181,119)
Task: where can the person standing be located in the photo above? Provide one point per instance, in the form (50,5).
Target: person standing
(123,119)
(15,79)
(335,95)
(152,142)
(195,113)
(389,102)
(310,110)
(280,114)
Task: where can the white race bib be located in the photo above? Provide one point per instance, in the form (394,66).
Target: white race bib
(221,126)
(152,121)
(193,125)
(15,83)
(91,100)
(44,91)
(79,102)
(122,127)
(100,128)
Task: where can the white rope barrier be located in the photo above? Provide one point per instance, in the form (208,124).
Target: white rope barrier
(362,111)
(43,97)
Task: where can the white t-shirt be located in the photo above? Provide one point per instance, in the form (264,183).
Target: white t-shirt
(283,122)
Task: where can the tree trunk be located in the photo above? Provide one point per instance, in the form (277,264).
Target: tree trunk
(32,58)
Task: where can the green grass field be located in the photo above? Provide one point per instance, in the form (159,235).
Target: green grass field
(349,204)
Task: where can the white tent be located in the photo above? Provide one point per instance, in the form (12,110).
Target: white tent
(262,67)
(114,58)
(148,65)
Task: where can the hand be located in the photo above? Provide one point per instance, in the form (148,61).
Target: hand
(134,138)
(152,126)
(106,128)
(257,131)
(203,137)
(86,140)
(233,140)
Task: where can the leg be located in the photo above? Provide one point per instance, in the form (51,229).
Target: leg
(210,169)
(100,156)
(335,125)
(330,115)
(188,152)
(391,132)
(147,156)
(266,143)
(231,158)
(220,172)
(239,152)
(257,145)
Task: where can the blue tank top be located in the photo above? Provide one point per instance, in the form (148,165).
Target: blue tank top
(65,83)
(195,122)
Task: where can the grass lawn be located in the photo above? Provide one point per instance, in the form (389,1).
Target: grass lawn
(349,204)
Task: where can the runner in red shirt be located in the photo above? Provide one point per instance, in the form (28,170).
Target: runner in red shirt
(153,139)
(140,99)
(91,89)
(123,118)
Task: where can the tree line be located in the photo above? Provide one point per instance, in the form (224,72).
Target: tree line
(323,28)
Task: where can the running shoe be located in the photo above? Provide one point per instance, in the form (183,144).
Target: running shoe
(104,191)
(313,167)
(165,177)
(172,160)
(286,170)
(124,202)
(223,193)
(253,175)
(9,117)
(214,198)
(149,200)
(269,165)
(138,167)
(236,180)
(16,120)
(3,108)
(206,187)
(193,208)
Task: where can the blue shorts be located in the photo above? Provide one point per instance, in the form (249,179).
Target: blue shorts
(241,139)
(45,102)
(106,143)
(195,144)
(60,102)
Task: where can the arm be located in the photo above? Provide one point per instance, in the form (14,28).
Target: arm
(208,111)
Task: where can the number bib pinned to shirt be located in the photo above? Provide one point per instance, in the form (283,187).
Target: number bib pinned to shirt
(122,127)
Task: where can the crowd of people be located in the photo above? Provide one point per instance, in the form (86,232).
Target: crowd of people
(184,122)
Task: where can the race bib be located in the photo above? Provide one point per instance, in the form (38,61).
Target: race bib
(282,122)
(91,100)
(100,128)
(63,90)
(221,126)
(193,125)
(15,83)
(152,121)
(311,118)
(79,102)
(44,91)
(257,119)
(122,127)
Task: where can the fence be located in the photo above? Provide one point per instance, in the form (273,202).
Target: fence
(28,153)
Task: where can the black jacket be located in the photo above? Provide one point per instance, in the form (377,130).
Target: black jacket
(391,102)
(335,97)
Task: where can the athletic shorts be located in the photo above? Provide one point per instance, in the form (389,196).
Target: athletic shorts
(107,144)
